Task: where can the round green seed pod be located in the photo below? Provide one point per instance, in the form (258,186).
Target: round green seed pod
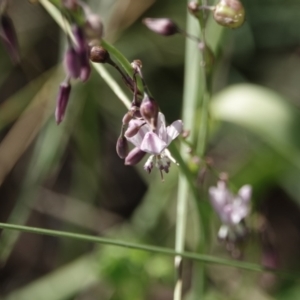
(229,13)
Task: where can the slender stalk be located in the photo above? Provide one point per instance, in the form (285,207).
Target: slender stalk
(189,108)
(198,284)
(167,251)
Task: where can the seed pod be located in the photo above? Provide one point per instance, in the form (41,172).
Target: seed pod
(163,26)
(72,63)
(9,37)
(99,54)
(62,101)
(134,156)
(149,111)
(229,13)
(122,147)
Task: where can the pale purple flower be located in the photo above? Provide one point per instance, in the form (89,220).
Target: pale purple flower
(154,142)
(232,209)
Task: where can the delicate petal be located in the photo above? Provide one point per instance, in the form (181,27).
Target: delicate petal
(138,138)
(245,193)
(161,127)
(167,153)
(174,130)
(152,144)
(223,232)
(134,156)
(133,127)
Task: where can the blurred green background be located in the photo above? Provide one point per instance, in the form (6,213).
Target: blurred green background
(70,178)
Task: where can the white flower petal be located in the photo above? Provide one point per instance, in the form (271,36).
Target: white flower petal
(245,193)
(152,144)
(137,139)
(161,127)
(174,130)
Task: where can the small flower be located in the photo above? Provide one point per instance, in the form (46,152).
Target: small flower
(155,142)
(163,26)
(232,209)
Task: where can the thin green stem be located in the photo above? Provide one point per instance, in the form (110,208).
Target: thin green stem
(189,108)
(106,241)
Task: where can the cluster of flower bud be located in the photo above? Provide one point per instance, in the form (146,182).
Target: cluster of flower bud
(77,56)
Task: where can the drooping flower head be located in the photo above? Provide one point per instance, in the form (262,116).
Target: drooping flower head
(154,142)
(232,209)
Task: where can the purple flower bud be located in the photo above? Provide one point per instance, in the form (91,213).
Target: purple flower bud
(70,4)
(133,128)
(193,8)
(127,117)
(9,38)
(134,156)
(149,110)
(62,101)
(163,26)
(80,38)
(72,63)
(122,147)
(99,54)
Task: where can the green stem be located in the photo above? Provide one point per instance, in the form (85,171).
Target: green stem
(106,241)
(192,59)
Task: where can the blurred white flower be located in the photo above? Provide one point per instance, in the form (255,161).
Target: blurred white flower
(232,209)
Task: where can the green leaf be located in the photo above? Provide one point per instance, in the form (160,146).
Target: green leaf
(264,113)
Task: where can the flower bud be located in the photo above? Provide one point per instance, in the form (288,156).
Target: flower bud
(80,38)
(99,54)
(122,146)
(72,63)
(134,156)
(9,37)
(134,127)
(93,26)
(62,101)
(193,8)
(149,110)
(229,13)
(163,26)
(127,117)
(70,4)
